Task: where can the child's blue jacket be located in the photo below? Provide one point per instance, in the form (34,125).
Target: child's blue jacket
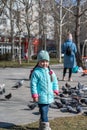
(42,86)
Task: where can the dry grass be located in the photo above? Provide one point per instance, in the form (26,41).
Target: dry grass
(24,63)
(78,122)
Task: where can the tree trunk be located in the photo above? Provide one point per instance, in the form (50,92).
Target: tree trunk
(77,35)
(19,51)
(12,31)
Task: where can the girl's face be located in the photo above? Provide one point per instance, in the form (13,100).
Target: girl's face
(43,63)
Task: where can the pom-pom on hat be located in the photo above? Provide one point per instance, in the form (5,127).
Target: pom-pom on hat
(43,55)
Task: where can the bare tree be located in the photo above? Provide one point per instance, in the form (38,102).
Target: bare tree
(29,20)
(66,16)
(9,14)
(78,16)
(12,29)
(60,12)
(76,13)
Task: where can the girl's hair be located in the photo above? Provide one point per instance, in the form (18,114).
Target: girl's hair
(51,77)
(32,71)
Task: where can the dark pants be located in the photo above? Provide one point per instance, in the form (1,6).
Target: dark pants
(43,109)
(65,70)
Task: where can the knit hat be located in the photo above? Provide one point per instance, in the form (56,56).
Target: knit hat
(43,55)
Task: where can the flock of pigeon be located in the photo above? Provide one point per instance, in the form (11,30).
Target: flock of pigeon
(9,95)
(70,99)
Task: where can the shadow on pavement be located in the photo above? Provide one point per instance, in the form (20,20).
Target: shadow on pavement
(10,126)
(6,125)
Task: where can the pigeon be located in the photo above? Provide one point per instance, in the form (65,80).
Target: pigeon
(58,104)
(69,92)
(68,85)
(65,92)
(75,96)
(79,109)
(18,84)
(78,92)
(63,101)
(63,109)
(2,88)
(53,105)
(61,95)
(8,96)
(63,88)
(74,102)
(70,109)
(84,89)
(32,106)
(73,88)
(80,86)
(84,101)
(85,113)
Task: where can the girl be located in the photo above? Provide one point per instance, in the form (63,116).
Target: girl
(44,84)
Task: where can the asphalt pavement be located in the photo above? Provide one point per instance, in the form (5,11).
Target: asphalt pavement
(15,111)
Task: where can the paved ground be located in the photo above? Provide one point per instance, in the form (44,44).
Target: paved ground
(15,111)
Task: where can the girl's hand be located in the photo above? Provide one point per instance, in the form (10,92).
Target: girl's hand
(35,99)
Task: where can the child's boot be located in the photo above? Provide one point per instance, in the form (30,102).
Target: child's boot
(45,126)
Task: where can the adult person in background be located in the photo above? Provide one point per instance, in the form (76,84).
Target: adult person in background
(69,59)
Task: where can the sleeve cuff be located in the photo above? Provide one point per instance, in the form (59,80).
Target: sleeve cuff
(56,92)
(34,95)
